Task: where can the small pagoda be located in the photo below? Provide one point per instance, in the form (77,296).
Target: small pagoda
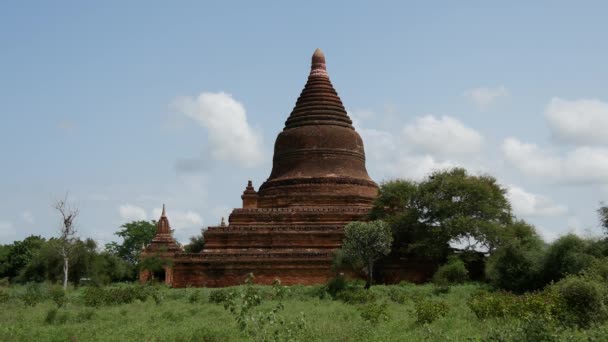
(164,247)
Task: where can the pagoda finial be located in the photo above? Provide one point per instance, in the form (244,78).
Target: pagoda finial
(318,64)
(223,224)
(163,214)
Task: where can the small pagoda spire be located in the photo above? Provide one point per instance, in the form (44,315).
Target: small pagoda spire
(223,224)
(318,67)
(163,226)
(250,196)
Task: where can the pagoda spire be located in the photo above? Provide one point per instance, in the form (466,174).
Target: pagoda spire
(317,67)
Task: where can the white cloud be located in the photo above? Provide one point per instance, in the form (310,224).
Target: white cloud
(583,165)
(229,134)
(132,213)
(7,229)
(28,217)
(527,204)
(484,97)
(415,167)
(445,136)
(580,121)
(181,220)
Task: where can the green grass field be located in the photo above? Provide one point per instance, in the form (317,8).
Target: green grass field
(188,315)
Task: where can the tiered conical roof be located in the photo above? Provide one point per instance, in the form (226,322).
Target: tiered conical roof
(319,103)
(319,158)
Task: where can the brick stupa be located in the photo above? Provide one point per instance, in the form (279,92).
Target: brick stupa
(290,227)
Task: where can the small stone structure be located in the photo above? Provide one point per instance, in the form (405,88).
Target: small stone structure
(290,227)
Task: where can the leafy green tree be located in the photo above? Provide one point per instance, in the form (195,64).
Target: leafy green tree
(516,264)
(367,242)
(567,255)
(197,243)
(603,214)
(134,235)
(448,207)
(18,255)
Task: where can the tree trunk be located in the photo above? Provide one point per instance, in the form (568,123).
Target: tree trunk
(370,270)
(65,272)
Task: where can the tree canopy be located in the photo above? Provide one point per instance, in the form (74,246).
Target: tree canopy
(366,242)
(448,207)
(134,235)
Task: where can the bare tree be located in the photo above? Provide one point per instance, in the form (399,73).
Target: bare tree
(68,212)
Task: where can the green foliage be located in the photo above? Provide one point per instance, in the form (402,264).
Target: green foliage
(197,243)
(4,296)
(32,295)
(98,296)
(517,264)
(567,255)
(134,235)
(429,310)
(336,285)
(582,301)
(367,242)
(261,325)
(487,305)
(57,294)
(448,206)
(603,216)
(356,295)
(452,272)
(374,312)
(14,257)
(195,297)
(219,296)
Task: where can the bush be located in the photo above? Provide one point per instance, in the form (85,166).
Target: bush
(428,311)
(85,315)
(4,282)
(219,296)
(503,304)
(452,272)
(4,296)
(94,296)
(195,297)
(54,316)
(515,267)
(581,301)
(97,296)
(566,256)
(335,286)
(58,296)
(374,312)
(32,295)
(356,296)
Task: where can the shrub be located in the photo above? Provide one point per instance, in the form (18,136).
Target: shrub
(94,296)
(195,297)
(85,315)
(51,315)
(396,295)
(219,296)
(58,296)
(356,296)
(4,282)
(4,296)
(428,311)
(581,301)
(503,304)
(567,255)
(515,267)
(374,312)
(452,272)
(335,286)
(32,295)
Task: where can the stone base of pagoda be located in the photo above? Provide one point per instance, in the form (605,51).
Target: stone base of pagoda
(231,267)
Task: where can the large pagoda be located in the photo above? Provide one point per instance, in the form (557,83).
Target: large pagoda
(290,227)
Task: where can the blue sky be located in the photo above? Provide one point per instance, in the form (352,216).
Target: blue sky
(129,105)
